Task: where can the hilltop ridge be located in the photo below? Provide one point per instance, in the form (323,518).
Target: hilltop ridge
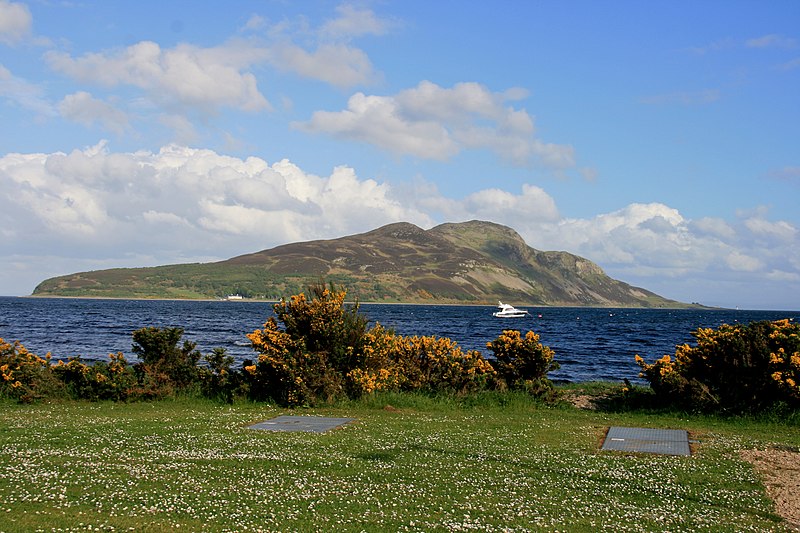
(467,262)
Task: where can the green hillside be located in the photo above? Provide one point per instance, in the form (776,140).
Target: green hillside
(469,262)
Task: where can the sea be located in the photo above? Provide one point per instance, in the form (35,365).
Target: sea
(590,343)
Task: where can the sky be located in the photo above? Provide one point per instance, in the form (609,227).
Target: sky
(659,139)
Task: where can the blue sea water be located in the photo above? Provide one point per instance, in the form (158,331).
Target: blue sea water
(590,343)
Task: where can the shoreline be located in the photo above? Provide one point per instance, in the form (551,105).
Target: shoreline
(352,302)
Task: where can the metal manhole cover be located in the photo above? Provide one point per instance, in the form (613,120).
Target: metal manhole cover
(309,424)
(647,440)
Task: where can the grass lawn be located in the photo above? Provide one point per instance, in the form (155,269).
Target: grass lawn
(503,463)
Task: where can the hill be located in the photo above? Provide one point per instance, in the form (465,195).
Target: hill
(469,262)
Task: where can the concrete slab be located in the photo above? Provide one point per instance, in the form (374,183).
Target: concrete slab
(647,440)
(308,424)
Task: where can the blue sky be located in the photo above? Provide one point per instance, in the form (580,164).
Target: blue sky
(661,140)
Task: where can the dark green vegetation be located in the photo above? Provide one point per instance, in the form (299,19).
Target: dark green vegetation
(470,262)
(410,462)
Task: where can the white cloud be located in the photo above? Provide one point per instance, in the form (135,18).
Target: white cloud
(24,94)
(255,22)
(378,120)
(713,227)
(15,22)
(743,262)
(187,85)
(432,122)
(185,76)
(783,277)
(322,53)
(337,64)
(780,231)
(83,108)
(534,205)
(354,22)
(181,201)
(653,246)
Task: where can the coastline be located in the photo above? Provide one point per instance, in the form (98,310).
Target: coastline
(383,302)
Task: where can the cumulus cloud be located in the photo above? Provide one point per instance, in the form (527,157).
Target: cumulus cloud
(338,64)
(188,85)
(433,122)
(647,234)
(186,76)
(354,22)
(83,108)
(197,202)
(654,246)
(15,22)
(533,206)
(324,53)
(713,227)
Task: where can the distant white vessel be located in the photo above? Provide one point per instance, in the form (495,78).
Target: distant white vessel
(232,297)
(509,311)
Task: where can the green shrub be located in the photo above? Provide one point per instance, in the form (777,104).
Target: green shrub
(734,368)
(219,380)
(165,367)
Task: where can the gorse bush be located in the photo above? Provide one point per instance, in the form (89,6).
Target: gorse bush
(523,363)
(785,361)
(378,367)
(25,376)
(114,380)
(165,369)
(324,324)
(305,360)
(437,364)
(734,368)
(318,350)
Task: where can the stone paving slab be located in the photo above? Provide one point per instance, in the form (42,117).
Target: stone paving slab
(647,440)
(308,424)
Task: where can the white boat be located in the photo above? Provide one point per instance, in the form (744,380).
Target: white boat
(509,311)
(234,297)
